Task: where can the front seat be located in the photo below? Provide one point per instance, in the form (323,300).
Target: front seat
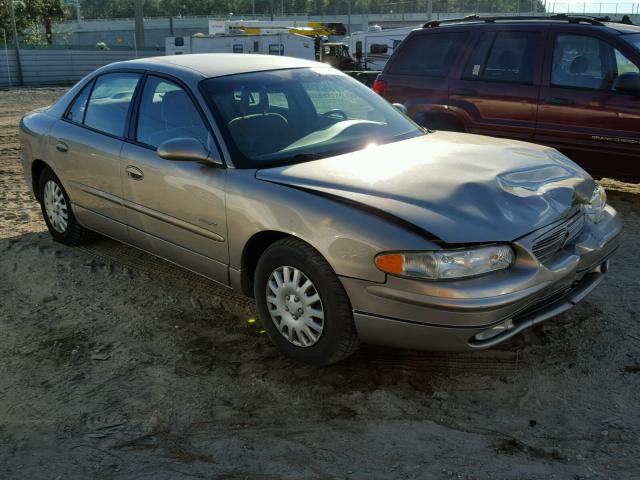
(258,131)
(578,70)
(179,119)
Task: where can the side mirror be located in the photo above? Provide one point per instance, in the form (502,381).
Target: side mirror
(401,108)
(185,149)
(627,83)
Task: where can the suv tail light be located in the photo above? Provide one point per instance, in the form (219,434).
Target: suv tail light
(380,87)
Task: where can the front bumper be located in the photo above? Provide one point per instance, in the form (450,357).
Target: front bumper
(447,316)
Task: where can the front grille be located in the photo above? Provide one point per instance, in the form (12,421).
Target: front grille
(547,245)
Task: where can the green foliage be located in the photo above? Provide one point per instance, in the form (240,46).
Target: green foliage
(29,16)
(106,9)
(35,16)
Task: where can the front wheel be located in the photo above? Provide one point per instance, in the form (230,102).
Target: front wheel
(57,213)
(303,305)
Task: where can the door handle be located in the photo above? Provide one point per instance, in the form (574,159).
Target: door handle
(465,92)
(559,101)
(134,173)
(62,147)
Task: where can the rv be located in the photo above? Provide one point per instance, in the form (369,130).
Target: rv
(284,43)
(372,49)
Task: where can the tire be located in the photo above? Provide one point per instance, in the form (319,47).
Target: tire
(337,338)
(445,123)
(61,221)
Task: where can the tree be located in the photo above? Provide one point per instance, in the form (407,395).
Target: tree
(45,12)
(30,14)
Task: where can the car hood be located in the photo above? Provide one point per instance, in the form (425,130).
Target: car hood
(460,188)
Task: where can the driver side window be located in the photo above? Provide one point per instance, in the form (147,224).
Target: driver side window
(580,61)
(166,112)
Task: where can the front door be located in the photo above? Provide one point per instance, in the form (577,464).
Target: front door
(582,112)
(86,146)
(175,209)
(497,90)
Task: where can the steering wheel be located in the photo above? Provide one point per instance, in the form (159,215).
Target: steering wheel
(336,113)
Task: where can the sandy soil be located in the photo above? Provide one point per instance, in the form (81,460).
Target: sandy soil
(114,364)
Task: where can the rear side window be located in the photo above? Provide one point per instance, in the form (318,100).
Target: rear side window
(76,112)
(109,103)
(430,55)
(504,57)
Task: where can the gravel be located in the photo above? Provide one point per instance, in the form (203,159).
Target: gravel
(115,364)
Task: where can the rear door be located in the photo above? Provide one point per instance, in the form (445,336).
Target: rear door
(86,145)
(175,209)
(496,93)
(581,112)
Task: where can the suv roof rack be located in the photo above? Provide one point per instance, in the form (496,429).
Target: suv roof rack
(558,18)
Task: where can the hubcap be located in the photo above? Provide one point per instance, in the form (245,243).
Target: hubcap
(295,306)
(55,206)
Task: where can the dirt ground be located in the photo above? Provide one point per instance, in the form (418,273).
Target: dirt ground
(114,364)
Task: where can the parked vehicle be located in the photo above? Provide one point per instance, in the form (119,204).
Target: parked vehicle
(282,43)
(373,48)
(336,55)
(572,83)
(291,182)
(258,27)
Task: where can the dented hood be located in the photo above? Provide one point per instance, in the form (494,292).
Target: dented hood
(460,188)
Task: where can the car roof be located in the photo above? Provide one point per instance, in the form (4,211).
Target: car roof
(209,65)
(475,21)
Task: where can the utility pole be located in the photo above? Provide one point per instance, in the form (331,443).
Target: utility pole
(429,10)
(6,54)
(12,13)
(139,22)
(78,16)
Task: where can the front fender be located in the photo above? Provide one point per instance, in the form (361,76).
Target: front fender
(347,237)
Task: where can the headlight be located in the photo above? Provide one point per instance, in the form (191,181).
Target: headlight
(446,264)
(595,208)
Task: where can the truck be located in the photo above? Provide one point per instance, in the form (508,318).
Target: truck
(256,27)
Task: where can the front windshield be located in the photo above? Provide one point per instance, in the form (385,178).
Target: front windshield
(295,115)
(633,39)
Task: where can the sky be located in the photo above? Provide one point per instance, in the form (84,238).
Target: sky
(594,7)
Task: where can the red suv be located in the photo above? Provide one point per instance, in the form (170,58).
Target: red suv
(572,83)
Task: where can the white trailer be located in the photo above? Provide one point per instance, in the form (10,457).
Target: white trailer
(284,43)
(372,49)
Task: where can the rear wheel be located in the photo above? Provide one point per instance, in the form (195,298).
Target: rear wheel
(57,213)
(302,304)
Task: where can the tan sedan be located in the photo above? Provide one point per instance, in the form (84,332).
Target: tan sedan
(290,182)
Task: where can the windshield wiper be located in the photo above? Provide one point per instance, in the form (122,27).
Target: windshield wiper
(303,156)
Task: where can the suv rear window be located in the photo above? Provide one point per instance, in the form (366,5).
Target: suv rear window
(430,55)
(504,57)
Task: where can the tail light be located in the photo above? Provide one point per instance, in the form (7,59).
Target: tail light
(380,87)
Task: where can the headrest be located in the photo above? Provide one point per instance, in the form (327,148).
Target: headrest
(579,65)
(257,95)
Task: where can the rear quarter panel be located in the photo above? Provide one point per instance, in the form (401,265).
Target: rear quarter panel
(33,133)
(423,95)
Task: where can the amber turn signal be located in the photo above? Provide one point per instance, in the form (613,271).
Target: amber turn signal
(390,263)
